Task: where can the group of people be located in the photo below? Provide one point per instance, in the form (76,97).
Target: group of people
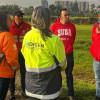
(41,52)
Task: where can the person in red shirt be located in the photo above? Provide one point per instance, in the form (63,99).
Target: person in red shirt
(95,52)
(18,29)
(67,32)
(8,55)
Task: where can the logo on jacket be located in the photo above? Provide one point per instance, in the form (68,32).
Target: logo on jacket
(64,32)
(32,45)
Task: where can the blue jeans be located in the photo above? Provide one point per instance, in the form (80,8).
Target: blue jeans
(69,75)
(96,67)
(4,84)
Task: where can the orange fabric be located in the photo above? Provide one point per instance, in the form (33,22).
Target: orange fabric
(8,47)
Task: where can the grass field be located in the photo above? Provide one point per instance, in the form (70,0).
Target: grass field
(84,82)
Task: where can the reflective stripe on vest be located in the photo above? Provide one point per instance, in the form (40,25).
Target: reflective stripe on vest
(43,97)
(39,70)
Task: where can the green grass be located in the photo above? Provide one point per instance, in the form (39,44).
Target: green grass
(84,82)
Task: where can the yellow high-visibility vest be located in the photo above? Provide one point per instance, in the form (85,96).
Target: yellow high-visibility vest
(38,53)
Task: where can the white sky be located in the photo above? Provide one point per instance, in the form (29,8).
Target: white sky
(35,3)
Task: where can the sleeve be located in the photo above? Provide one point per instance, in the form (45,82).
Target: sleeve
(60,53)
(10,51)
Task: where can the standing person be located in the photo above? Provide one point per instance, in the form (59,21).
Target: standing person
(8,55)
(18,29)
(67,32)
(95,51)
(41,50)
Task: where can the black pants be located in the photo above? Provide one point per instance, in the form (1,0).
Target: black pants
(69,75)
(22,72)
(4,85)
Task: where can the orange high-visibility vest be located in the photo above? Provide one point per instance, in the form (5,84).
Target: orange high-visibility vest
(9,49)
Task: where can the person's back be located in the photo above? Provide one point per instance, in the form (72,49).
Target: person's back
(40,48)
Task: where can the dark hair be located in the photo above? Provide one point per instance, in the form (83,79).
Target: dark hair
(63,9)
(19,13)
(3,22)
(41,20)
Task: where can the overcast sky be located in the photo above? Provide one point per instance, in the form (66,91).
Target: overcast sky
(38,2)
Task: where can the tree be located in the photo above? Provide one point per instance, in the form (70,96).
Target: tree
(9,9)
(52,9)
(93,10)
(74,8)
(28,11)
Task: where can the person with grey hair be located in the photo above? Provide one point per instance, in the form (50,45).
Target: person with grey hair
(42,50)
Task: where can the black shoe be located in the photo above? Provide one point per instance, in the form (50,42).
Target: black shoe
(97,98)
(71,98)
(12,98)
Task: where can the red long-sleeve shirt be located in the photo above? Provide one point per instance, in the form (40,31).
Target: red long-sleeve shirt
(95,47)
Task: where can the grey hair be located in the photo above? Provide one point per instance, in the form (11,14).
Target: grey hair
(40,18)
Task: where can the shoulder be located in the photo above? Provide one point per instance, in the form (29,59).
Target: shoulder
(7,36)
(28,34)
(26,24)
(72,24)
(95,24)
(55,37)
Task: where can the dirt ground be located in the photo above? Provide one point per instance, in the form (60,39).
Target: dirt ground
(18,89)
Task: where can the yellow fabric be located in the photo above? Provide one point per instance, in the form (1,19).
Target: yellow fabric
(38,53)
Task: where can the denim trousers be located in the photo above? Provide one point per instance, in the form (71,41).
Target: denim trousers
(4,85)
(69,74)
(96,67)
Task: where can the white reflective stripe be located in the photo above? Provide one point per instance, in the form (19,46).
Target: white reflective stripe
(39,70)
(63,63)
(44,97)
